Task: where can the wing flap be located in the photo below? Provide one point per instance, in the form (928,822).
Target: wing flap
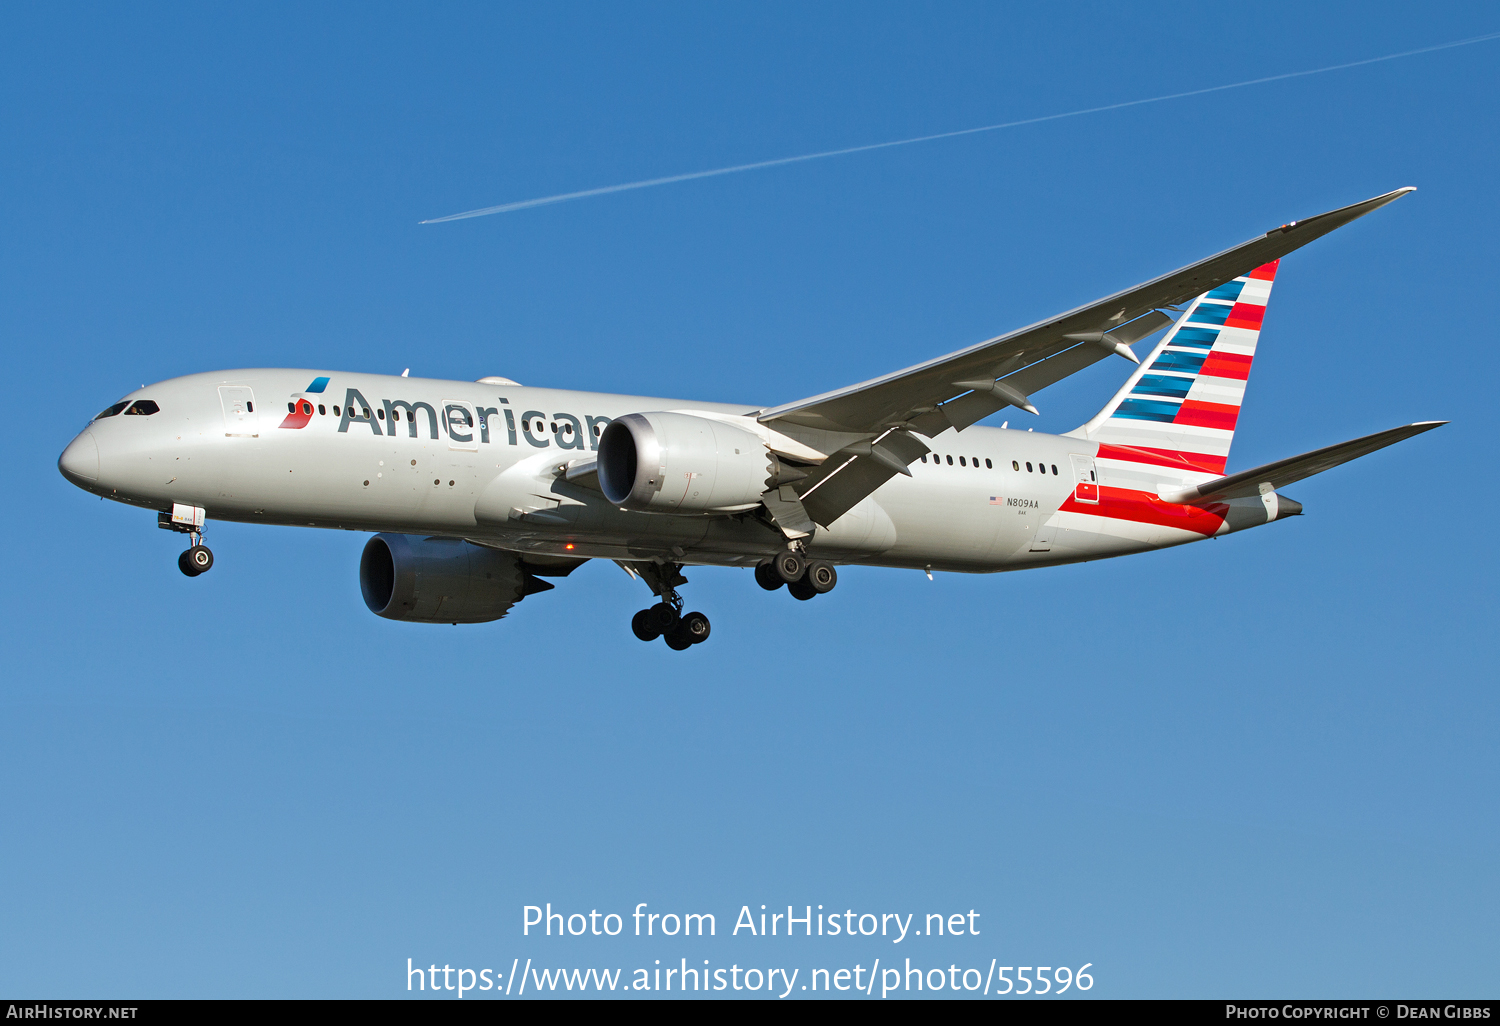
(851,474)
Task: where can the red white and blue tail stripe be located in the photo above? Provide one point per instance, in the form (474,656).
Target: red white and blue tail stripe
(1179,409)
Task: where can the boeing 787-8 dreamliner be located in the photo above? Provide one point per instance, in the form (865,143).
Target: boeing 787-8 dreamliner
(477,491)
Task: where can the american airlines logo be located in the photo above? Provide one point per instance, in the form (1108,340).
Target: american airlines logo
(300,410)
(465,424)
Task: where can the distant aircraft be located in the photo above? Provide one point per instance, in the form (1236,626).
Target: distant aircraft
(480,490)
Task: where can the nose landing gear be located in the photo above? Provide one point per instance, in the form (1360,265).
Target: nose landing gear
(666,620)
(189,520)
(196,560)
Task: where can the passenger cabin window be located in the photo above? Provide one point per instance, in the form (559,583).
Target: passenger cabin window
(307,409)
(1014,465)
(961,462)
(322,410)
(291,407)
(113,411)
(1054,470)
(988,465)
(336,411)
(950,461)
(1028,468)
(975,460)
(142,408)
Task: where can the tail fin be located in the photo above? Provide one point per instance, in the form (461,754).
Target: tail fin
(1179,408)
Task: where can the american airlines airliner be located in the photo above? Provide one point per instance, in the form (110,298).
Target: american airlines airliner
(477,492)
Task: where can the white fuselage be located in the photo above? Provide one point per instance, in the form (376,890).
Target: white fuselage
(488,463)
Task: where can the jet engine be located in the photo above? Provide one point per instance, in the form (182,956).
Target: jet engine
(681,463)
(441,580)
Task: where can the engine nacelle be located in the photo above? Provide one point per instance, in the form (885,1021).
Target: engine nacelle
(681,463)
(438,580)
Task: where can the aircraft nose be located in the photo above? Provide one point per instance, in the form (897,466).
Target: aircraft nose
(79,462)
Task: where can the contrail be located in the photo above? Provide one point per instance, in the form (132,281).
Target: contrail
(506,208)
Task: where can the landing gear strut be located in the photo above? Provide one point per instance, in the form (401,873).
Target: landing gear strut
(188,520)
(666,620)
(803,579)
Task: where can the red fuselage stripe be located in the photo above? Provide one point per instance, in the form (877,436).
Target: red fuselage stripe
(1145,508)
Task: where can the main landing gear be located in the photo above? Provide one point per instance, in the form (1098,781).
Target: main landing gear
(803,579)
(666,619)
(188,520)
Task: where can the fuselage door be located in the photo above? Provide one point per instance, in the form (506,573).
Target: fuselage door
(1087,477)
(240,418)
(460,424)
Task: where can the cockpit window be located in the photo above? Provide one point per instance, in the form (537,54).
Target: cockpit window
(113,410)
(142,408)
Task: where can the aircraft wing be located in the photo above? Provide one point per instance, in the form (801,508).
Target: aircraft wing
(899,397)
(961,388)
(1277,475)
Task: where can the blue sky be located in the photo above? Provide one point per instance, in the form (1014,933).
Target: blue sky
(1258,766)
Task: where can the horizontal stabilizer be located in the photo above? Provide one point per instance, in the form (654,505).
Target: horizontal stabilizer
(1284,472)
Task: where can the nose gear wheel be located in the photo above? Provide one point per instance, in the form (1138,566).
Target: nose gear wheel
(196,560)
